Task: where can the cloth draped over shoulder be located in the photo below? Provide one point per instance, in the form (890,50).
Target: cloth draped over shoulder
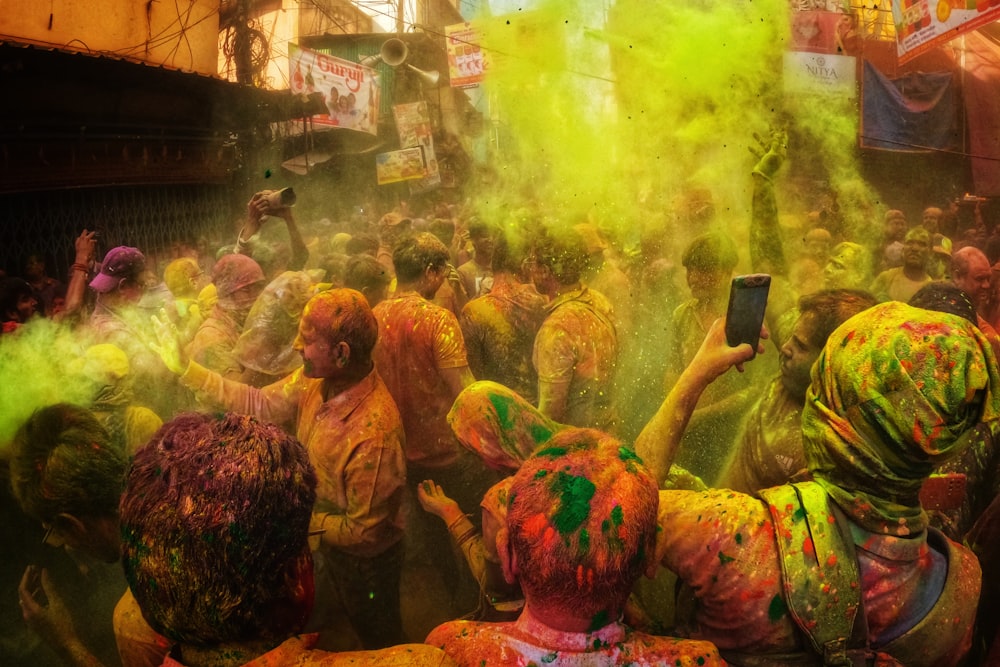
(499,425)
(895,392)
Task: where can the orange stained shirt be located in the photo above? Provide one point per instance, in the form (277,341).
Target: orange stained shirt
(499,330)
(416,340)
(298,651)
(527,641)
(577,344)
(354,440)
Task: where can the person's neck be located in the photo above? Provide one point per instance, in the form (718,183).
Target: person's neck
(564,620)
(419,286)
(352,375)
(914,273)
(560,290)
(223,655)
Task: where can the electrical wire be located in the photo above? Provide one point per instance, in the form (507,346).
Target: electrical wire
(930,149)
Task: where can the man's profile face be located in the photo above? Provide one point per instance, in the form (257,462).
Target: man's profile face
(317,355)
(840,271)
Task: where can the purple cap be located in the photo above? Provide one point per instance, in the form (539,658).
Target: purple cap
(120,263)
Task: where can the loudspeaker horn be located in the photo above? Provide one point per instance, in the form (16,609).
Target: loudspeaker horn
(394,52)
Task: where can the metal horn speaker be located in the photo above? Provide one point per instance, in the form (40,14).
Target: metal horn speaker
(394,52)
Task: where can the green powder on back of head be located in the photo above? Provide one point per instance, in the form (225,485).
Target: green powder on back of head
(575,494)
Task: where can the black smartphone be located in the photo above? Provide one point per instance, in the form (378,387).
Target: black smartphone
(745,315)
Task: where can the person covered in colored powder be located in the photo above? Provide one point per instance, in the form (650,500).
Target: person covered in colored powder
(503,429)
(67,472)
(902,282)
(238,281)
(576,348)
(500,327)
(215,519)
(846,565)
(581,523)
(342,412)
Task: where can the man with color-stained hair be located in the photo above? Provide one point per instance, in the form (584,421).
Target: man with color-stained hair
(581,522)
(215,525)
(342,412)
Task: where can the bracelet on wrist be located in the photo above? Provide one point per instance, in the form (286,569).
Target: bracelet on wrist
(77,266)
(457,520)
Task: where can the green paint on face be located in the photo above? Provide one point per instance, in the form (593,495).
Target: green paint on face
(777,609)
(723,558)
(574,501)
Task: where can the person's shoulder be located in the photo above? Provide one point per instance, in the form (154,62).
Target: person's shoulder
(660,650)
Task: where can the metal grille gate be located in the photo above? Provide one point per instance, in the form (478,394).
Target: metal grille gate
(149,218)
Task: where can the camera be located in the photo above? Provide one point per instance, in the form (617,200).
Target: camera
(282,198)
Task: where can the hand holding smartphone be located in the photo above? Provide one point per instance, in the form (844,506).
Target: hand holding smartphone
(745,314)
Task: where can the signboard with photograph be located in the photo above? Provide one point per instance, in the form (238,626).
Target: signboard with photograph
(924,24)
(406,164)
(350,90)
(413,123)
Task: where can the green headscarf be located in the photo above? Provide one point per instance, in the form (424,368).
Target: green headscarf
(896,391)
(498,424)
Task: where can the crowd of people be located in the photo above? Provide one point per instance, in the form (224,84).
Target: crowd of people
(445,440)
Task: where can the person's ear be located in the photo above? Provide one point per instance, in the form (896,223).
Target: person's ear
(342,354)
(508,561)
(73,530)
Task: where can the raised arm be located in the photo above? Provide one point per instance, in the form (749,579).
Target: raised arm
(658,441)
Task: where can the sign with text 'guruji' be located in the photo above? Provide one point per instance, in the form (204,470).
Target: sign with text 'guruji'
(350,90)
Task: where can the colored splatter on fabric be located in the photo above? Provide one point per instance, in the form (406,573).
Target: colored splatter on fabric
(498,424)
(499,330)
(895,392)
(769,450)
(577,344)
(299,651)
(527,641)
(270,329)
(416,339)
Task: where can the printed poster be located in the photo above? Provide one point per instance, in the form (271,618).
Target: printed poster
(466,60)
(351,91)
(406,164)
(924,24)
(413,123)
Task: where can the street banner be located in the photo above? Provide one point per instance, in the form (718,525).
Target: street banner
(466,60)
(350,90)
(406,164)
(413,123)
(820,74)
(923,24)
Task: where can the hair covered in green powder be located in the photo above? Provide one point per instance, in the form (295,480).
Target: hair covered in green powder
(581,519)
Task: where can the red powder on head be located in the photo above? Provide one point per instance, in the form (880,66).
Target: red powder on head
(534,526)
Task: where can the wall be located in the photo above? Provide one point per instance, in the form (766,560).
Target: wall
(182,35)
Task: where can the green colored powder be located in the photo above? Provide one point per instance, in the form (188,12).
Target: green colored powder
(551,452)
(575,493)
(777,609)
(616,515)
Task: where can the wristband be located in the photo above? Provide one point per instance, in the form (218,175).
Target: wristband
(77,266)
